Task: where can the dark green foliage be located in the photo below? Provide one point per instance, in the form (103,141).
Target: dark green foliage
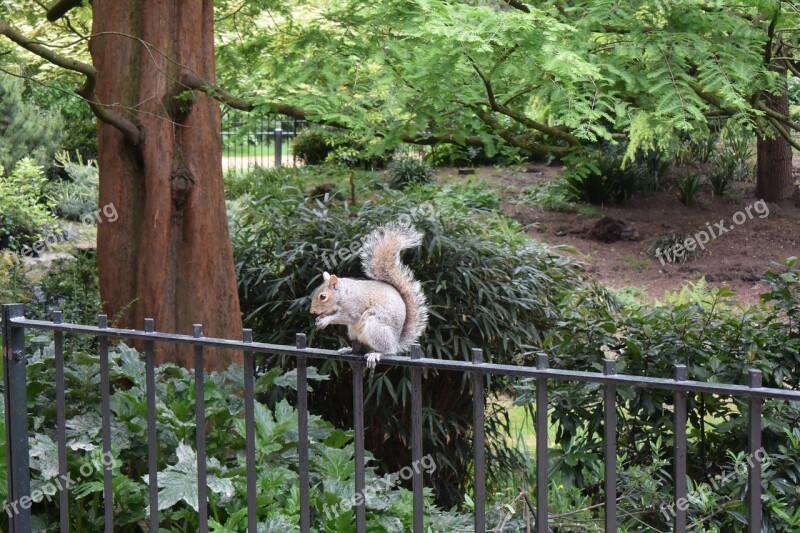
(688,187)
(731,161)
(601,175)
(58,96)
(663,248)
(487,284)
(717,343)
(784,293)
(654,163)
(312,146)
(71,287)
(553,195)
(331,457)
(453,155)
(25,130)
(406,170)
(23,219)
(720,177)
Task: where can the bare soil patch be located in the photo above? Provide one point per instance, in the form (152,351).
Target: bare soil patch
(736,258)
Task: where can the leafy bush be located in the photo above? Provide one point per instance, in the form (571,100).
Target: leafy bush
(331,455)
(58,95)
(720,177)
(696,146)
(602,175)
(22,218)
(312,146)
(78,196)
(654,164)
(71,287)
(663,248)
(718,343)
(25,131)
(488,286)
(553,195)
(688,187)
(407,170)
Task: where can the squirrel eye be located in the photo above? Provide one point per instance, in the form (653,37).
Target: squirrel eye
(323,297)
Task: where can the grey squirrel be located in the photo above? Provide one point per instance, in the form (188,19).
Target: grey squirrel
(387,312)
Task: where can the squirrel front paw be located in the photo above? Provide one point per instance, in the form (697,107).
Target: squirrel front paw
(344,350)
(373,358)
(322,321)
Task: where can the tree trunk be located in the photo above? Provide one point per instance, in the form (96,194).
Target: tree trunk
(774,181)
(168,254)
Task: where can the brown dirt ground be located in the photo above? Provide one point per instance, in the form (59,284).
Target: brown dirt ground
(737,258)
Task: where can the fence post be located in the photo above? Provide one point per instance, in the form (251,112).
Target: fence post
(278,147)
(18,506)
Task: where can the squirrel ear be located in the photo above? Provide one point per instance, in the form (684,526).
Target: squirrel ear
(333,281)
(326,277)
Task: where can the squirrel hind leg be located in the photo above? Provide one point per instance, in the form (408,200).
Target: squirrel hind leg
(381,337)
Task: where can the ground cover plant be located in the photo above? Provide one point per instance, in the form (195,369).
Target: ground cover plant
(331,452)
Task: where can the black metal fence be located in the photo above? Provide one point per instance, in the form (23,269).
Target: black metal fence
(266,140)
(250,140)
(19,486)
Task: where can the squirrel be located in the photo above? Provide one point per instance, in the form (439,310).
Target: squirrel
(387,312)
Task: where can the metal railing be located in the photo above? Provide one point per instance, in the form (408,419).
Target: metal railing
(19,487)
(264,141)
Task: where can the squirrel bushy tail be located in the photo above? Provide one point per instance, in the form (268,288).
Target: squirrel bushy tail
(380,259)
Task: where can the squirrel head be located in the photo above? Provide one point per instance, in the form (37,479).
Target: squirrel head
(323,301)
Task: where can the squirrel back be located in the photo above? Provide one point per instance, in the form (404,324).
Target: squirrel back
(380,259)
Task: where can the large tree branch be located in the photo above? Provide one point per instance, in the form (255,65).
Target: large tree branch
(518,117)
(784,133)
(516,4)
(190,80)
(131,132)
(523,141)
(60,8)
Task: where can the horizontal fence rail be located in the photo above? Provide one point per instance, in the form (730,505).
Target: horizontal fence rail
(15,324)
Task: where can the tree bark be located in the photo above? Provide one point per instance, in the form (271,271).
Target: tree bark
(168,255)
(774,181)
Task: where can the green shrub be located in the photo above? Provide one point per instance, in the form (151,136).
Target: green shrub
(720,177)
(553,195)
(664,246)
(71,286)
(78,196)
(406,170)
(331,452)
(696,147)
(601,175)
(23,219)
(58,95)
(487,284)
(654,164)
(738,147)
(312,146)
(688,187)
(25,131)
(717,342)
